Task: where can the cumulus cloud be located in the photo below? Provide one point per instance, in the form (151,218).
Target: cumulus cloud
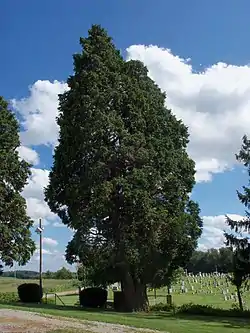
(213,231)
(44,251)
(50,242)
(38,112)
(59,225)
(38,181)
(28,154)
(214,104)
(52,260)
(34,195)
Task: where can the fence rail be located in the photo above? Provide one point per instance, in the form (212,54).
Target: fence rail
(56,297)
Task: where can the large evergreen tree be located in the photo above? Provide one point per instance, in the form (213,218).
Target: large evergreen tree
(15,237)
(237,240)
(121,175)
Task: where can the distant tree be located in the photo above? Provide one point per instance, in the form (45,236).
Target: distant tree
(211,261)
(1,269)
(121,175)
(63,274)
(240,272)
(15,236)
(48,275)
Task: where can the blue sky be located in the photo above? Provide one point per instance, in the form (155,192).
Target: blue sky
(197,51)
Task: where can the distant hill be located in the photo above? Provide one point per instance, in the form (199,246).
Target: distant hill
(21,274)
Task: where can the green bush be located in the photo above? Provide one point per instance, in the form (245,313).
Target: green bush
(93,297)
(207,310)
(10,297)
(30,293)
(162,307)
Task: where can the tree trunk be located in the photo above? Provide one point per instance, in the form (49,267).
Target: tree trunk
(135,294)
(239,298)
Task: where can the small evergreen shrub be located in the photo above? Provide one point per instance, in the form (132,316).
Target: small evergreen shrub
(9,297)
(93,297)
(30,293)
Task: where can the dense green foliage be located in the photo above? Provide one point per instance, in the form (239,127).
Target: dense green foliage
(15,236)
(121,175)
(93,297)
(238,238)
(9,297)
(220,260)
(30,293)
(62,274)
(208,310)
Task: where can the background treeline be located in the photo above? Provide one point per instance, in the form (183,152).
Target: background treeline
(205,262)
(213,260)
(61,274)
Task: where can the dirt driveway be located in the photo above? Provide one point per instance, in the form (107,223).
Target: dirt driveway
(15,321)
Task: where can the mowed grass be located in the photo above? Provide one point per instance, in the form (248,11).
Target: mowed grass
(11,284)
(216,300)
(160,321)
(156,321)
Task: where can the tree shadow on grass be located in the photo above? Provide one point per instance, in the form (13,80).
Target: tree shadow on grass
(227,322)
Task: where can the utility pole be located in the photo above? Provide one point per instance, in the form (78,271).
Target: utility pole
(39,230)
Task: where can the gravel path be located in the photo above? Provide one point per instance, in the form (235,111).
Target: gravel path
(16,321)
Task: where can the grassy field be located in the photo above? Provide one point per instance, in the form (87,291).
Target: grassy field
(11,284)
(198,293)
(178,299)
(202,293)
(159,321)
(216,299)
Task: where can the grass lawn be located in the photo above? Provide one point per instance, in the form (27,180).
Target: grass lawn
(179,299)
(11,284)
(160,321)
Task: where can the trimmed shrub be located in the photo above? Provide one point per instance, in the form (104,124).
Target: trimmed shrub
(93,297)
(10,297)
(30,293)
(207,310)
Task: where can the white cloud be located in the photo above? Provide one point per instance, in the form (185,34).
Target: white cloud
(213,231)
(38,181)
(52,260)
(44,251)
(28,154)
(214,104)
(37,209)
(34,194)
(38,113)
(50,242)
(59,225)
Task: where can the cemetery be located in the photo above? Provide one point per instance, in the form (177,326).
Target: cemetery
(204,289)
